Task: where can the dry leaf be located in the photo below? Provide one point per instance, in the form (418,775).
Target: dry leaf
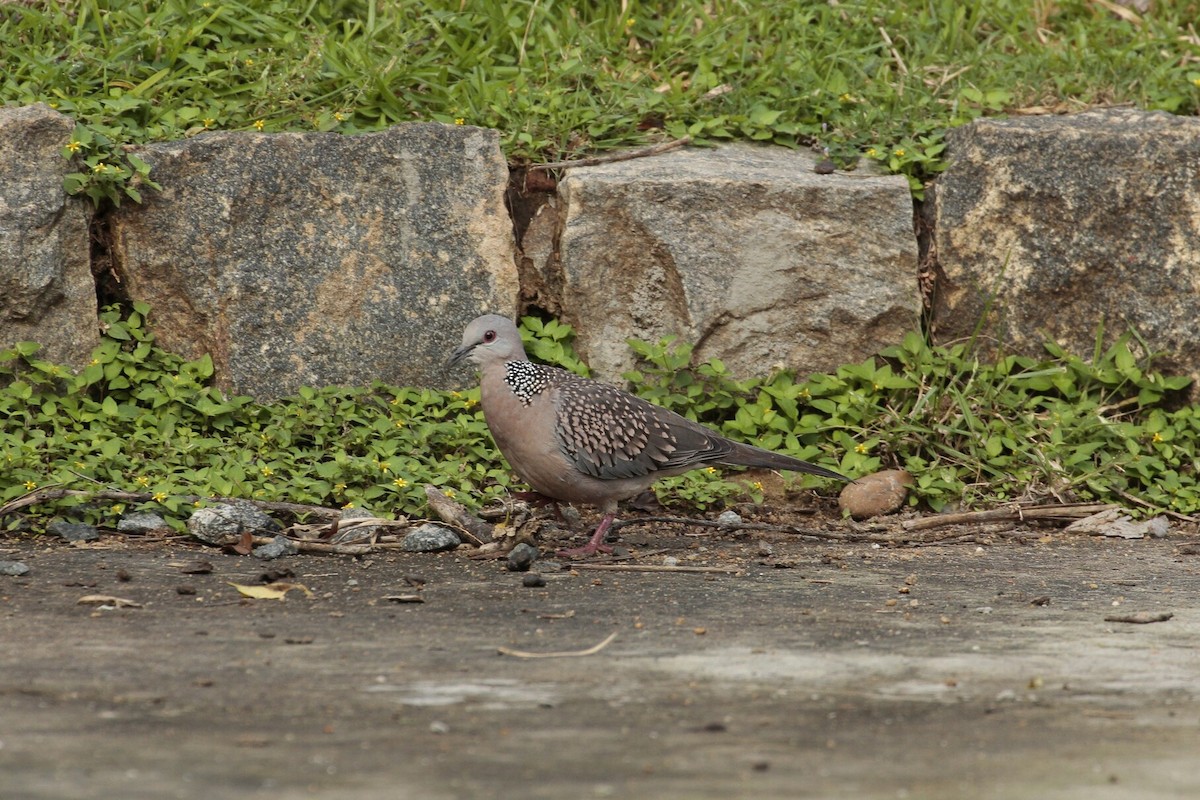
(106,600)
(274,591)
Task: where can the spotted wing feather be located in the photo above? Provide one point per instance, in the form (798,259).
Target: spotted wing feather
(610,434)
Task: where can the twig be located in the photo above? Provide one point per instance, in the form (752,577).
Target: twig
(456,514)
(655,568)
(1076,511)
(507,651)
(624,155)
(1140,617)
(47,493)
(895,53)
(1147,504)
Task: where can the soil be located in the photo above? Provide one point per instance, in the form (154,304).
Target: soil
(815,669)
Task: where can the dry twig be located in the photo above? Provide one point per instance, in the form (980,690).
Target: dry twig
(507,651)
(610,158)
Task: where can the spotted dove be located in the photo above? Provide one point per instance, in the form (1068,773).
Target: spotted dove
(582,441)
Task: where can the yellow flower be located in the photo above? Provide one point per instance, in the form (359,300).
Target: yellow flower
(73,146)
(340,117)
(898,152)
(101,167)
(757,485)
(348,505)
(711,470)
(197,503)
(400,483)
(861,449)
(118,508)
(629,23)
(846,97)
(142,480)
(448,492)
(399,423)
(872,152)
(95,362)
(1196,81)
(249,62)
(338,487)
(267,472)
(30,485)
(258,124)
(80,465)
(208,122)
(160,496)
(384,466)
(459,121)
(1156,438)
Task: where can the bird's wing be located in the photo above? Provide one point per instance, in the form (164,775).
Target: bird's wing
(610,434)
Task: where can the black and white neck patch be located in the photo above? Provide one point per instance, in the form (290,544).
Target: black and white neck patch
(526,379)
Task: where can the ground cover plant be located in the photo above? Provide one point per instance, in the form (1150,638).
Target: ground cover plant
(146,422)
(559,79)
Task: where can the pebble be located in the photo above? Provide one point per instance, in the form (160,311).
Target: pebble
(533,580)
(74,531)
(521,557)
(729,517)
(279,546)
(430,538)
(223,523)
(140,522)
(13,568)
(876,494)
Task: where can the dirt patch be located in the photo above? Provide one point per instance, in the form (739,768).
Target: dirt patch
(817,670)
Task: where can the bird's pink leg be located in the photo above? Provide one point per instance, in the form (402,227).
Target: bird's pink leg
(595,545)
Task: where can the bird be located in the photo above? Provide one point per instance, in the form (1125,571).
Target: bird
(583,441)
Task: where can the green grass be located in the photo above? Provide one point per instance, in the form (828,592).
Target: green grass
(560,79)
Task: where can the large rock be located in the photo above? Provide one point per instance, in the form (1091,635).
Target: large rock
(744,251)
(1064,223)
(313,259)
(47,293)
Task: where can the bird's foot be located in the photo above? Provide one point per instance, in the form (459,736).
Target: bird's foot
(595,544)
(589,549)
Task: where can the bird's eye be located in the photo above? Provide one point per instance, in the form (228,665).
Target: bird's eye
(490,336)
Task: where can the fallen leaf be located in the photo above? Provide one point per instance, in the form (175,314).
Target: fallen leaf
(106,600)
(274,591)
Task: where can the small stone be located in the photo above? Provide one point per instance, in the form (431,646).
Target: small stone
(439,727)
(670,561)
(214,525)
(533,580)
(13,568)
(141,522)
(521,557)
(223,523)
(729,517)
(73,531)
(185,589)
(279,546)
(873,495)
(430,538)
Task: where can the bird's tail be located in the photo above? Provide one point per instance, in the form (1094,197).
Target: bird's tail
(747,455)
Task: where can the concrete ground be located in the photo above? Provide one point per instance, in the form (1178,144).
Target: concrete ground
(982,670)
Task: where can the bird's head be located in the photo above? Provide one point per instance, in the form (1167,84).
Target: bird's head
(489,339)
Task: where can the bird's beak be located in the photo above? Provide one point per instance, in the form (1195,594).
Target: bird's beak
(459,354)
